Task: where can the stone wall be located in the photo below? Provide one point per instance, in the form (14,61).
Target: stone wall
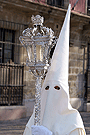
(76,76)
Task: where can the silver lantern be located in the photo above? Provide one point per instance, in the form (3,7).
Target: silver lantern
(37,41)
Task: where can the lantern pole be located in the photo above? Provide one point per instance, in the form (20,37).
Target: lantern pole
(37,101)
(38,42)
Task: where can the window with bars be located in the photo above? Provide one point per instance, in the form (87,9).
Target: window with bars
(88,7)
(57,3)
(0,55)
(88,2)
(7,37)
(87,75)
(10,47)
(88,63)
(11,63)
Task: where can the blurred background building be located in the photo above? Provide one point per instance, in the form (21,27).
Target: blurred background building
(17,85)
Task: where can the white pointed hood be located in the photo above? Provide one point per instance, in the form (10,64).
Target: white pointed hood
(56,112)
(59,64)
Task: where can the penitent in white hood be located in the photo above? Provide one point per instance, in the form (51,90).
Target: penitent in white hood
(56,112)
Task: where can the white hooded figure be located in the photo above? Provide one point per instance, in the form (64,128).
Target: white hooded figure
(57,115)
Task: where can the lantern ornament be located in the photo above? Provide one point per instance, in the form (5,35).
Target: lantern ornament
(37,41)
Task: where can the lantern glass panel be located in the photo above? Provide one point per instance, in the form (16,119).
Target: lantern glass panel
(38,53)
(30,53)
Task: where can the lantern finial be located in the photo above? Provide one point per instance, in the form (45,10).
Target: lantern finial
(37,20)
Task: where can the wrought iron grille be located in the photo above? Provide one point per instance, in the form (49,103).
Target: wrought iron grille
(11,63)
(11,84)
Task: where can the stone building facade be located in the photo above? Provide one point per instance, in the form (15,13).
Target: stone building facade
(15,16)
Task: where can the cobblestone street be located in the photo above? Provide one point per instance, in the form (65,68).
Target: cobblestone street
(13,127)
(16,127)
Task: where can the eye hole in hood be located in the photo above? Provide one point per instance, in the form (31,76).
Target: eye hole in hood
(47,88)
(57,87)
